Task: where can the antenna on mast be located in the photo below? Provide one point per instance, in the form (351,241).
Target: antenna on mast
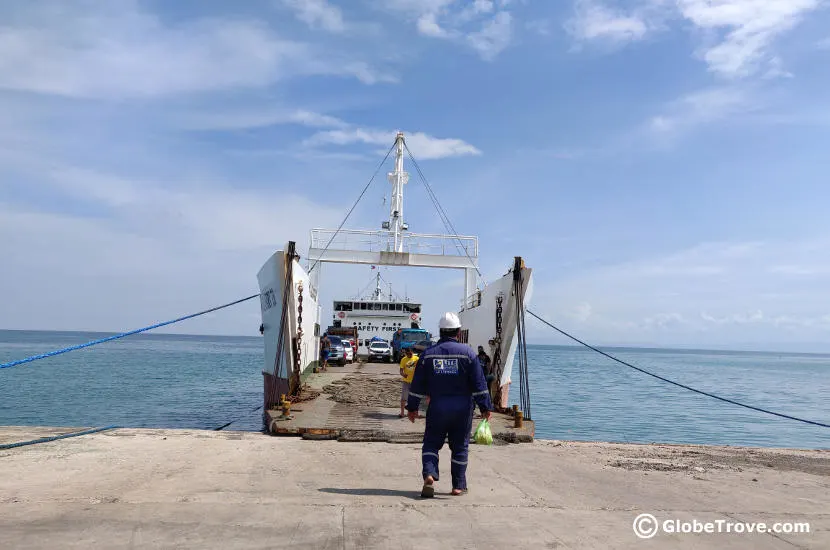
(377,286)
(396,226)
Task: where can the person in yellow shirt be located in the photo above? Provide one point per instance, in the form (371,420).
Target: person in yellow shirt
(408,362)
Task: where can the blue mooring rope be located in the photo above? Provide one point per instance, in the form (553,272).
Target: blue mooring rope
(54,438)
(122,335)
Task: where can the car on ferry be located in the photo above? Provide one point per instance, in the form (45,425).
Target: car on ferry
(380,350)
(352,342)
(348,351)
(337,351)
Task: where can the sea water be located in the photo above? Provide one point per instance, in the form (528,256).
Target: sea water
(175,381)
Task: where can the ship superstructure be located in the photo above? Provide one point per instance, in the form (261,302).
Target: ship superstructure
(377,315)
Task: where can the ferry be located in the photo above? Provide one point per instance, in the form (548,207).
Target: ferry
(290,303)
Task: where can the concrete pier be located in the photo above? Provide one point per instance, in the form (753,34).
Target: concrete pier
(364,417)
(129,488)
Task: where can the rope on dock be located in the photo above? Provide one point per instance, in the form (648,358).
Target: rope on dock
(713,396)
(54,438)
(122,335)
(226,424)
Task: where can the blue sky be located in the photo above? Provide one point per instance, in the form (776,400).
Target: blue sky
(662,165)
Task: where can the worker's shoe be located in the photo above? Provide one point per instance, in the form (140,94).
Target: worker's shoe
(458,492)
(428,491)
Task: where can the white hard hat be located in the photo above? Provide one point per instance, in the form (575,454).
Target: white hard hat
(449,320)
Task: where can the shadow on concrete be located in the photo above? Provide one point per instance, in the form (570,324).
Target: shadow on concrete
(382,415)
(413,495)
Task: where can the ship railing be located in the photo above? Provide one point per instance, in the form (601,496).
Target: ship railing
(471,301)
(381,241)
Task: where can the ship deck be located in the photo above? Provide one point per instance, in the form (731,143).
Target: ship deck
(354,405)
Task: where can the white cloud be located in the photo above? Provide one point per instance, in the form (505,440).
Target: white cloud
(258,118)
(736,318)
(151,256)
(750,28)
(427,147)
(759,320)
(428,26)
(339,132)
(483,25)
(132,54)
(473,10)
(664,320)
(593,21)
(701,107)
(415,7)
(118,50)
(356,135)
(358,69)
(739,35)
(748,103)
(423,146)
(482,6)
(776,69)
(711,294)
(582,312)
(317,14)
(493,37)
(206,214)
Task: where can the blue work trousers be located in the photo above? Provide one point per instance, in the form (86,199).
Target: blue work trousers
(453,420)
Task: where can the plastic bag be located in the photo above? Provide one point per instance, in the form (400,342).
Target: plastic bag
(483,435)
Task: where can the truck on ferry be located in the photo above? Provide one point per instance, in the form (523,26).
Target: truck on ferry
(407,338)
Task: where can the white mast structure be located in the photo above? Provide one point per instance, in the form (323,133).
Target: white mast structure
(394,244)
(398,179)
(377,294)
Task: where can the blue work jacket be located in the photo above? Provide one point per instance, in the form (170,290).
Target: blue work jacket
(450,374)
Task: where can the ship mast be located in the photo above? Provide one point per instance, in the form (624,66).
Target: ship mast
(377,287)
(398,179)
(394,244)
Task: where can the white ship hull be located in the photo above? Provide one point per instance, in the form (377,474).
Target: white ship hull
(299,352)
(292,352)
(479,320)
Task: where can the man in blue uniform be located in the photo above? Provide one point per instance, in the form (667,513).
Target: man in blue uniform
(450,374)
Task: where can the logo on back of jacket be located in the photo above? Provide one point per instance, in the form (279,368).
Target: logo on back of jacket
(445,366)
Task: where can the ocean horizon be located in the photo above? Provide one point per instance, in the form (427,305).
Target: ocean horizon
(172,380)
(96,334)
